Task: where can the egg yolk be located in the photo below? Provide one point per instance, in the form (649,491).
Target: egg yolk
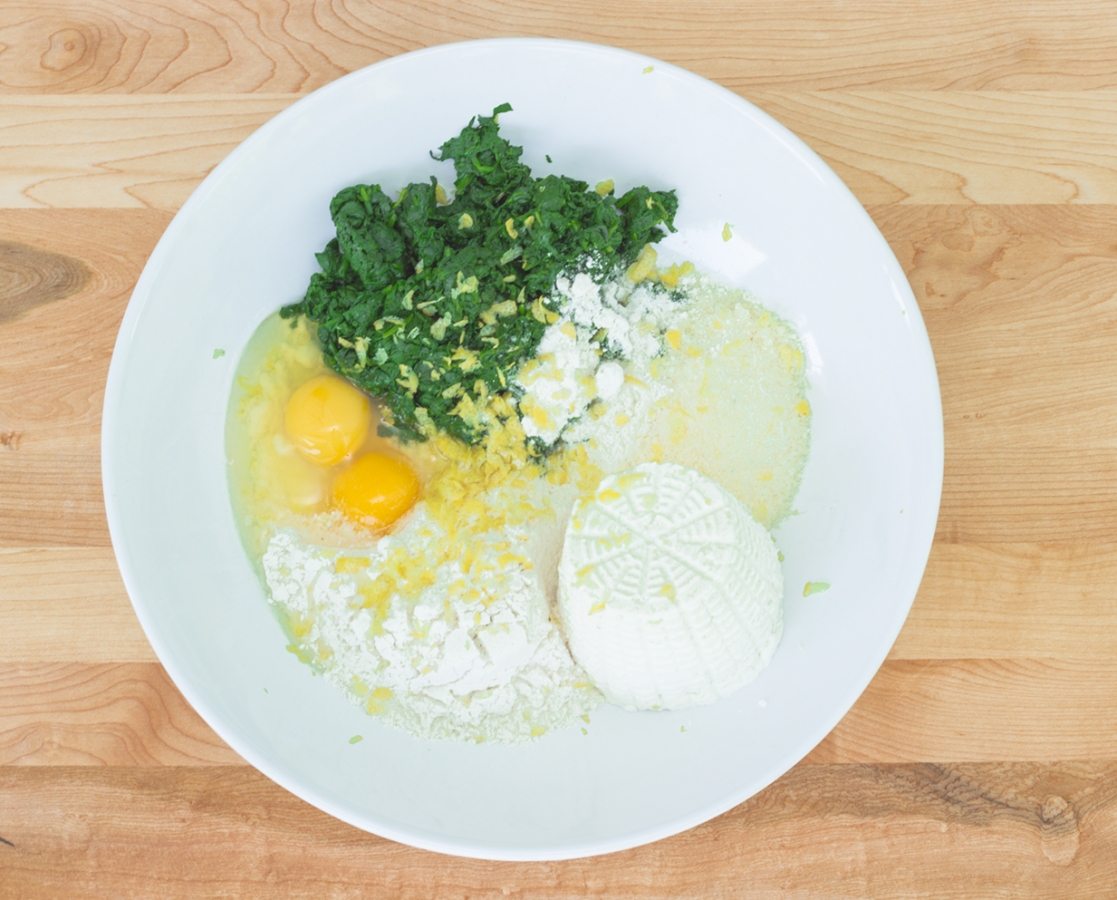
(376,489)
(327,418)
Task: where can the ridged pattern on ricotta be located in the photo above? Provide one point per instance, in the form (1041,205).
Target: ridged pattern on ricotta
(670,592)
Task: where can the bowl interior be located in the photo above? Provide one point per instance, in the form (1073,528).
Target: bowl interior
(243,245)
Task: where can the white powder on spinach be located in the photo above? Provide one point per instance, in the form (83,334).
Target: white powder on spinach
(590,381)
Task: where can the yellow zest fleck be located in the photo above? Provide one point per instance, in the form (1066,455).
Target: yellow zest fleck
(631,478)
(671,277)
(569,330)
(766,475)
(622,420)
(350,564)
(510,229)
(674,337)
(464,286)
(440,195)
(596,608)
(536,412)
(608,495)
(438,331)
(529,221)
(408,380)
(605,188)
(540,313)
(299,626)
(466,359)
(803,408)
(668,591)
(648,69)
(644,265)
(726,234)
(815,587)
(466,221)
(500,310)
(678,426)
(792,359)
(374,705)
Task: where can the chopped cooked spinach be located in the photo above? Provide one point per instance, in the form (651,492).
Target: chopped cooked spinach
(431,304)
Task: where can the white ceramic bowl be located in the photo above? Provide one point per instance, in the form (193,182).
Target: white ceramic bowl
(243,245)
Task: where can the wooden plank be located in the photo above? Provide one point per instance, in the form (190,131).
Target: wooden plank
(245,47)
(913,711)
(65,279)
(115,715)
(996,830)
(1019,306)
(998,601)
(1028,495)
(979,710)
(67,605)
(912,147)
(923,147)
(119,151)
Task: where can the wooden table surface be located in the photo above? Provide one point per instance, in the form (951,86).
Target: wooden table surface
(982,139)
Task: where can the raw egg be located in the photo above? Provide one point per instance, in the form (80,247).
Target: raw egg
(327,418)
(376,489)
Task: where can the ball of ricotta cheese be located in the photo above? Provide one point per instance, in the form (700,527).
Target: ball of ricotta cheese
(670,592)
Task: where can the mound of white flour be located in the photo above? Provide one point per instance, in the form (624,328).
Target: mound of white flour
(473,658)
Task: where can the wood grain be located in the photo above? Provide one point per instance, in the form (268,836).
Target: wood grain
(117,715)
(53,363)
(919,831)
(270,46)
(979,762)
(30,277)
(1005,600)
(943,147)
(979,710)
(67,604)
(921,147)
(1022,318)
(119,151)
(913,711)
